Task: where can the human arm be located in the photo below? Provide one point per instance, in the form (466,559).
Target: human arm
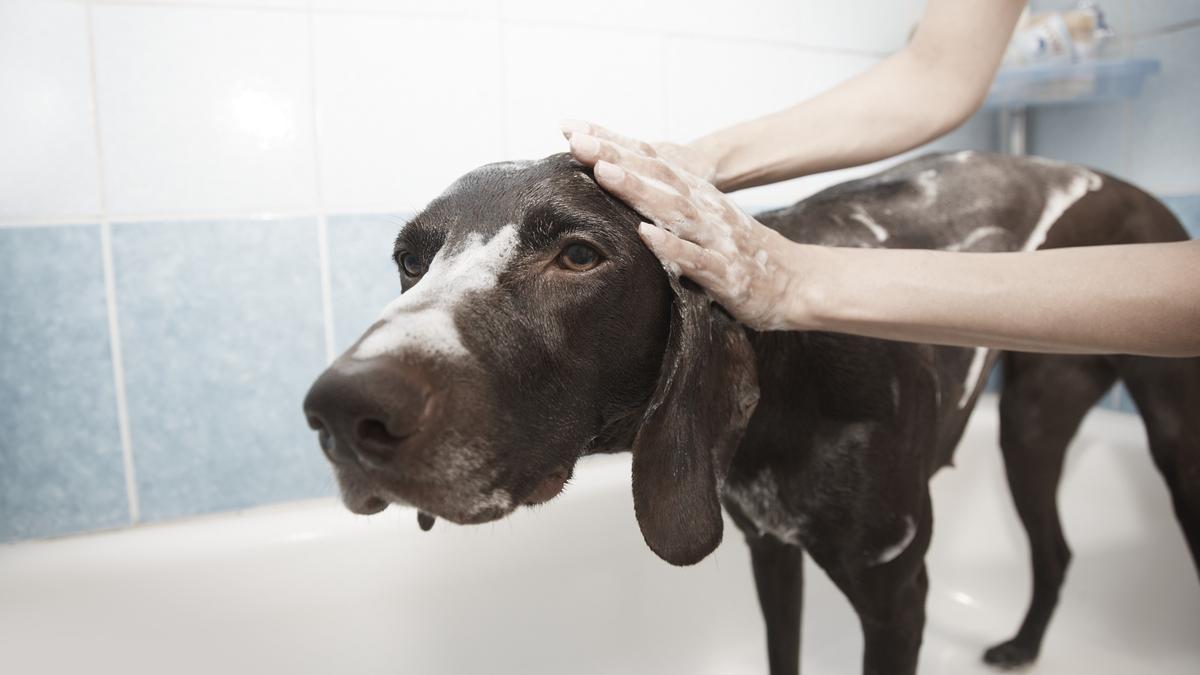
(921,92)
(1137,299)
(1130,299)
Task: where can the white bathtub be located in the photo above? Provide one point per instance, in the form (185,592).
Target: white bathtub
(570,588)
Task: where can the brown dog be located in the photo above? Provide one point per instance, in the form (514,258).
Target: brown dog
(535,328)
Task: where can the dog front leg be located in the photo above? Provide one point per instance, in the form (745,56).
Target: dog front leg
(779,578)
(893,620)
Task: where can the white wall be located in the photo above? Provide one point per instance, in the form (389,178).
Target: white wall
(189,108)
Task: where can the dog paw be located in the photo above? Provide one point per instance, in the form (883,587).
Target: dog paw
(1010,655)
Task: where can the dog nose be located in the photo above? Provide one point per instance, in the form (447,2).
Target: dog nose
(366,412)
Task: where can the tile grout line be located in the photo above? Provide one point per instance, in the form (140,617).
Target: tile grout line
(110,292)
(322,219)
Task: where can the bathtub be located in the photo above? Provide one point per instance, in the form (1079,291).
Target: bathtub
(570,588)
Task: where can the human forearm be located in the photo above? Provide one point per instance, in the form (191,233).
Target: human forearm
(1138,299)
(923,91)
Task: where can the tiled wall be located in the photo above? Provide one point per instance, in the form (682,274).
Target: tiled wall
(197,200)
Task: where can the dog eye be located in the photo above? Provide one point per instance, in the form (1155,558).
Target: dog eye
(411,264)
(579,257)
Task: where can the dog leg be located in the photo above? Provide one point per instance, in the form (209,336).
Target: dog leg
(779,578)
(893,624)
(1167,394)
(1043,402)
(888,595)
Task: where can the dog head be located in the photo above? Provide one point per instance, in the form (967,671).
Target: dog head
(534,327)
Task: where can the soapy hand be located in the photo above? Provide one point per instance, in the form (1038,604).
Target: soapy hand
(700,234)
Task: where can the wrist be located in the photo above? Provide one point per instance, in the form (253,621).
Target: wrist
(812,294)
(713,152)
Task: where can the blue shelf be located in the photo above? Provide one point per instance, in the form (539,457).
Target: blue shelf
(1059,84)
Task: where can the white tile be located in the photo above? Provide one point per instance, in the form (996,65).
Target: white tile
(1164,140)
(204,109)
(552,73)
(714,83)
(405,105)
(869,25)
(469,8)
(248,4)
(47,138)
(1152,15)
(630,14)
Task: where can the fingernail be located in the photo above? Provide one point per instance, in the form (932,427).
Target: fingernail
(649,232)
(571,127)
(585,144)
(610,173)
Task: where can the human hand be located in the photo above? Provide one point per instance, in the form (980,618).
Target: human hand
(702,234)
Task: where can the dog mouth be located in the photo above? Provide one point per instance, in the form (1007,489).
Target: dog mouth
(549,487)
(546,489)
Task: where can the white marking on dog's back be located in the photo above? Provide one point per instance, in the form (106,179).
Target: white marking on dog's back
(1057,202)
(892,552)
(423,317)
(977,235)
(927,181)
(860,215)
(974,371)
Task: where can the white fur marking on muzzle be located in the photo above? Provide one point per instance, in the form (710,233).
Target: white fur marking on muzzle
(423,318)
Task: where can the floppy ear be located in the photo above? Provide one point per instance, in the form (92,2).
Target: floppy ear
(706,391)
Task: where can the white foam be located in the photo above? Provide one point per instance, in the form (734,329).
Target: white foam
(927,181)
(1057,203)
(892,552)
(974,372)
(977,235)
(860,215)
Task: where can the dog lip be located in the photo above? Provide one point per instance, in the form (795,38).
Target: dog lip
(548,488)
(368,506)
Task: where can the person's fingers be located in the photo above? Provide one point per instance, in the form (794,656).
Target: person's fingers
(571,128)
(706,268)
(655,200)
(590,149)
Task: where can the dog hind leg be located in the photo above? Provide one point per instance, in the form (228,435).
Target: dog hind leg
(1044,399)
(1167,394)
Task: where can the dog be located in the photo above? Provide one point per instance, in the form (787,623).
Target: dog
(534,327)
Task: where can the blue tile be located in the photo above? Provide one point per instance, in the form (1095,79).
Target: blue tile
(1124,402)
(363,277)
(61,468)
(1164,140)
(1187,209)
(221,326)
(995,379)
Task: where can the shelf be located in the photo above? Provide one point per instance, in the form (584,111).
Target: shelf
(1059,84)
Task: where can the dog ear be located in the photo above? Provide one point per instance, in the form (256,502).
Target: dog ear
(706,392)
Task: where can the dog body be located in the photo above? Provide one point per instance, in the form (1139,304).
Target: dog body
(869,421)
(504,361)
